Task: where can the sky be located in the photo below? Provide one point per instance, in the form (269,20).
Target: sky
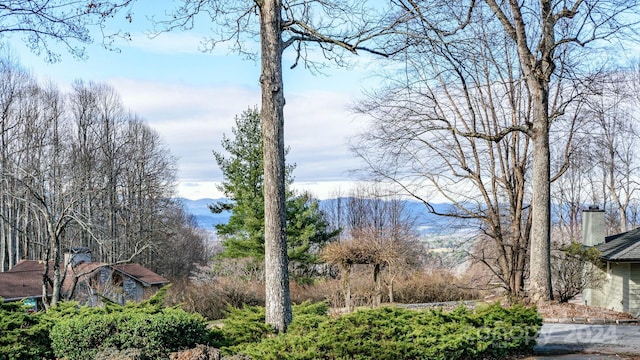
(191,98)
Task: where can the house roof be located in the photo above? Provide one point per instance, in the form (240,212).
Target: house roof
(24,280)
(141,273)
(621,247)
(26,265)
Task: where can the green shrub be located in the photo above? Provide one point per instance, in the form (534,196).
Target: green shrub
(154,334)
(394,333)
(247,325)
(79,332)
(25,335)
(21,336)
(145,328)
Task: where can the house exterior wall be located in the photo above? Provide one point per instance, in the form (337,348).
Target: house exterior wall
(615,292)
(634,289)
(132,289)
(112,285)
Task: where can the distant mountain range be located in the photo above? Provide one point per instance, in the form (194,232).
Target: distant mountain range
(426,223)
(200,210)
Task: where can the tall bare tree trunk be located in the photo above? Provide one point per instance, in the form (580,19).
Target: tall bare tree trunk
(540,254)
(538,65)
(278,301)
(538,74)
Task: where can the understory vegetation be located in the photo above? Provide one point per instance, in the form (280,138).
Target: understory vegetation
(212,297)
(150,330)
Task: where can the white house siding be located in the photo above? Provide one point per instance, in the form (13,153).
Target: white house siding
(634,289)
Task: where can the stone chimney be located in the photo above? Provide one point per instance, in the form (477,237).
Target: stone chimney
(592,226)
(77,255)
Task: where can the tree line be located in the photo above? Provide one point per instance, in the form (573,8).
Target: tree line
(78,169)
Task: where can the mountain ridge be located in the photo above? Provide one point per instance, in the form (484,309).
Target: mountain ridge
(426,222)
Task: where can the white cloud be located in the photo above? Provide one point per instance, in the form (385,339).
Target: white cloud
(320,189)
(191,100)
(199,190)
(192,120)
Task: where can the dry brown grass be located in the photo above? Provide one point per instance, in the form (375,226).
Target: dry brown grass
(360,251)
(212,299)
(434,286)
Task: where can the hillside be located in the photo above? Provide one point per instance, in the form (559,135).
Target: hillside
(205,218)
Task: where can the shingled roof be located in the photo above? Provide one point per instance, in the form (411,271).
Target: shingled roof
(141,273)
(623,247)
(23,281)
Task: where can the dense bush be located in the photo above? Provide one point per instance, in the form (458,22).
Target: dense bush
(388,333)
(433,286)
(25,335)
(73,332)
(21,335)
(155,334)
(212,299)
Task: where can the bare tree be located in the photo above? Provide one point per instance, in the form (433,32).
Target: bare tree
(445,132)
(80,170)
(281,25)
(380,232)
(538,36)
(576,268)
(180,244)
(572,194)
(43,181)
(540,33)
(613,111)
(14,82)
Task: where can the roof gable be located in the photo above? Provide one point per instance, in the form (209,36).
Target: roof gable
(621,247)
(27,265)
(141,273)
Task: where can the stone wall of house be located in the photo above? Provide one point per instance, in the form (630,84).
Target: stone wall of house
(131,289)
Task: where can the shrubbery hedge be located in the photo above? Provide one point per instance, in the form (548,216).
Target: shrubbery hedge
(389,333)
(156,335)
(153,330)
(76,332)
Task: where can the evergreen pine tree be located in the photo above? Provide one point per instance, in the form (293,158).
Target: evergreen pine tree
(243,235)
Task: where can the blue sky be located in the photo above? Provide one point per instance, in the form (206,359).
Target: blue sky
(191,99)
